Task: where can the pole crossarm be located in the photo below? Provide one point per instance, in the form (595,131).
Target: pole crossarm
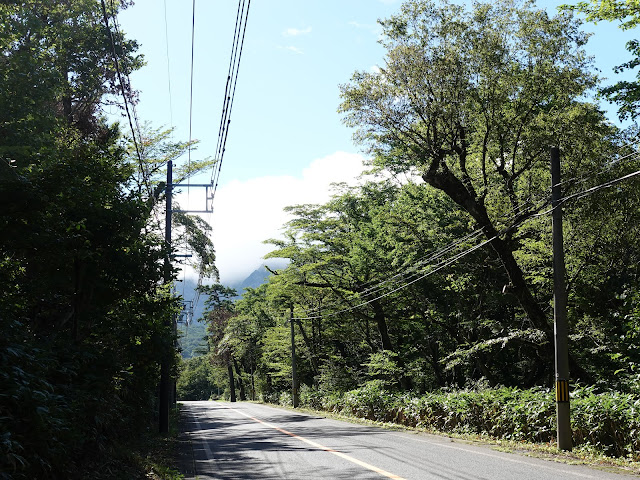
(208,208)
(188,185)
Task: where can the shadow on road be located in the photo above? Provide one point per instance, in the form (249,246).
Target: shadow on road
(246,450)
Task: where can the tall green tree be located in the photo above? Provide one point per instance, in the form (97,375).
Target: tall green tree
(471,101)
(220,311)
(80,269)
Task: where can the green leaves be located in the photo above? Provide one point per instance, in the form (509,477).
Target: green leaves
(82,311)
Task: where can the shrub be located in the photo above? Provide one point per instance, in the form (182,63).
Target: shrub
(608,422)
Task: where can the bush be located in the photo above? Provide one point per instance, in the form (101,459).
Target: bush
(608,422)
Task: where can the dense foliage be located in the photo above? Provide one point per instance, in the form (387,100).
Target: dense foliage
(602,422)
(84,313)
(626,13)
(197,380)
(436,274)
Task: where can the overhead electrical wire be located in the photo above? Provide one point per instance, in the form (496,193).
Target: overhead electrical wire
(591,190)
(127,79)
(437,267)
(242,17)
(166,42)
(416,271)
(414,274)
(193,35)
(408,272)
(587,176)
(105,17)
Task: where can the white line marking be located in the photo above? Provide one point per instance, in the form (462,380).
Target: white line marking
(321,447)
(204,442)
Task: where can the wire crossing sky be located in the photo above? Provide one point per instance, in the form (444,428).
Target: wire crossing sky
(287,143)
(230,89)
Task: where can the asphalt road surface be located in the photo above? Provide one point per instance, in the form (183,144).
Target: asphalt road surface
(248,441)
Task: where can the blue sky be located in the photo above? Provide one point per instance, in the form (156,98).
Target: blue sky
(286,141)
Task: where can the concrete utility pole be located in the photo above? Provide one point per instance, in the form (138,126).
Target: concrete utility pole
(165,373)
(294,374)
(560,310)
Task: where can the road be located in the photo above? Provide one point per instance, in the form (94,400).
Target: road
(248,441)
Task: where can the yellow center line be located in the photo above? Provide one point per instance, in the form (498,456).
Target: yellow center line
(321,447)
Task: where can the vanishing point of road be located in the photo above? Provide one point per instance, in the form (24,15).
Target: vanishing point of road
(248,441)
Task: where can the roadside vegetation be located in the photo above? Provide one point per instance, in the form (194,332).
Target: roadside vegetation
(85,304)
(602,423)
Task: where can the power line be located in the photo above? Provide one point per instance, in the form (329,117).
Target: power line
(124,96)
(456,257)
(416,271)
(242,16)
(410,270)
(439,266)
(591,190)
(193,33)
(587,176)
(166,38)
(193,36)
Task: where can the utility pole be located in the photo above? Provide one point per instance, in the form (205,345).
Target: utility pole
(168,393)
(294,374)
(560,310)
(165,363)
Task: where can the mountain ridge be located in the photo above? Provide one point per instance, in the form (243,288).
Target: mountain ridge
(192,339)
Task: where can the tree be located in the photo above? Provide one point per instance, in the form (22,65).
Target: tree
(472,101)
(219,312)
(66,52)
(197,379)
(156,149)
(80,269)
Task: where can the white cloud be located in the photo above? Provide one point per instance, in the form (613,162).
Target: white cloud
(294,49)
(294,32)
(249,212)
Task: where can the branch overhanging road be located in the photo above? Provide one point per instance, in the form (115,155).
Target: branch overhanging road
(248,441)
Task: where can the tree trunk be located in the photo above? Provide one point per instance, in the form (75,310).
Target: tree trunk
(433,357)
(447,182)
(232,384)
(243,395)
(381,323)
(310,346)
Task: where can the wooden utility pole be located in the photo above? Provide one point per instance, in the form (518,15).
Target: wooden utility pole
(165,363)
(560,310)
(294,373)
